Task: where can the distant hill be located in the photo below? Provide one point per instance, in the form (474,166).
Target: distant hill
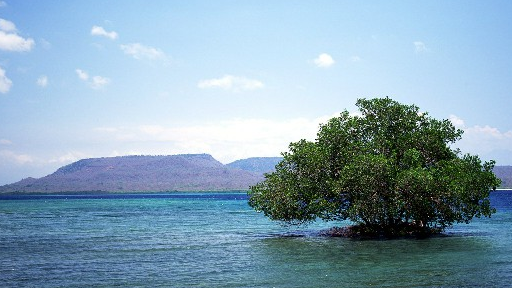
(190,172)
(505,174)
(256,164)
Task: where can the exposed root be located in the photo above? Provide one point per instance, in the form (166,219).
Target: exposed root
(362,232)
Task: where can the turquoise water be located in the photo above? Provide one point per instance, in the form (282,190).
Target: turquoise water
(216,240)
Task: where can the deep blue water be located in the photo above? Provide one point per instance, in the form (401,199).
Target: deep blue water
(216,240)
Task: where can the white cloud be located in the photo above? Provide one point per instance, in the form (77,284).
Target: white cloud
(7,26)
(96,82)
(456,121)
(488,132)
(42,81)
(5,83)
(231,83)
(484,141)
(226,140)
(13,157)
(420,47)
(5,142)
(324,60)
(82,74)
(100,31)
(10,40)
(139,51)
(99,82)
(13,42)
(68,158)
(234,139)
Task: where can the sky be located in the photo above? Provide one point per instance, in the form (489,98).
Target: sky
(239,79)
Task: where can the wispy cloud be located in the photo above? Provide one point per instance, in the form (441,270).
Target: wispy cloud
(5,142)
(420,47)
(45,44)
(7,26)
(456,121)
(483,140)
(139,51)
(16,158)
(355,59)
(82,74)
(68,157)
(42,81)
(96,82)
(99,82)
(324,60)
(5,83)
(100,31)
(3,4)
(234,139)
(231,83)
(10,40)
(227,140)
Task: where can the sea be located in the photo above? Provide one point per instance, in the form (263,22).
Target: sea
(216,240)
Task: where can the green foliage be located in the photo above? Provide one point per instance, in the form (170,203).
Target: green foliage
(390,170)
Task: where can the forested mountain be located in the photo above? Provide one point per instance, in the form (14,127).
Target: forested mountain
(189,172)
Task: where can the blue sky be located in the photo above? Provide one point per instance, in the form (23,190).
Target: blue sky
(239,79)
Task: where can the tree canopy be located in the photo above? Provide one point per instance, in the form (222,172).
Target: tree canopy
(390,169)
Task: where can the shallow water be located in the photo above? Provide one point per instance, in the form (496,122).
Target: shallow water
(216,240)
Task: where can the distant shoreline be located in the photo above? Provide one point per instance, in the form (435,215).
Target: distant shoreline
(238,194)
(235,194)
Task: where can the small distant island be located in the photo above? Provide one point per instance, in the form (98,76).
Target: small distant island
(184,172)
